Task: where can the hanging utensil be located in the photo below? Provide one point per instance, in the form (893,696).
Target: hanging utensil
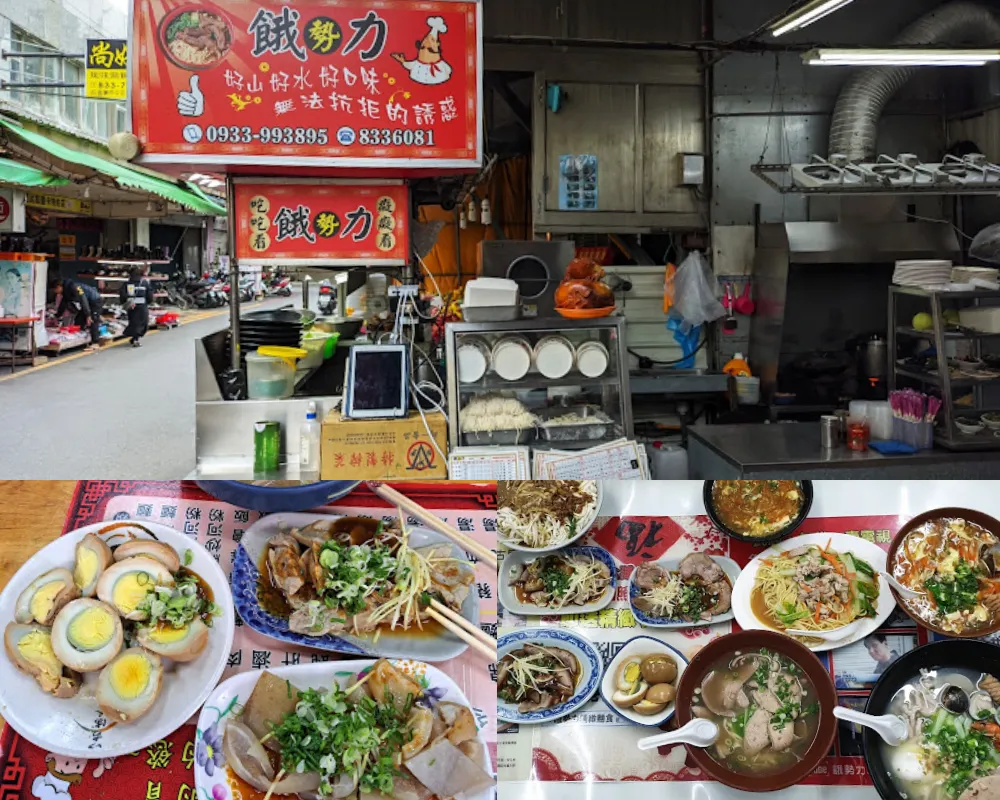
(744,304)
(729,324)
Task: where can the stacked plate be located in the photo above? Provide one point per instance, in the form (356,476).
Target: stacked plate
(281,327)
(923,274)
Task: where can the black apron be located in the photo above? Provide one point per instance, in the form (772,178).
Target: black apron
(136,297)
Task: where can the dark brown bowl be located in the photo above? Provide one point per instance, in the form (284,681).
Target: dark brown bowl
(771,538)
(695,673)
(165,47)
(979,518)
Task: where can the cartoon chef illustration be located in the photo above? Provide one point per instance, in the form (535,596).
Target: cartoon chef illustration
(429,68)
(63,773)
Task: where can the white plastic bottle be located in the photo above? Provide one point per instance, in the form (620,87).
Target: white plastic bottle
(309,446)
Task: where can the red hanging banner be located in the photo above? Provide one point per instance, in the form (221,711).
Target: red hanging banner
(304,223)
(392,85)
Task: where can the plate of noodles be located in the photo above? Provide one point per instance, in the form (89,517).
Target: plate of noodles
(544,516)
(818,582)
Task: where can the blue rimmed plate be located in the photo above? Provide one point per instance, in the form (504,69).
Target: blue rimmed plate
(210,769)
(269,499)
(508,598)
(641,646)
(730,567)
(419,645)
(591,667)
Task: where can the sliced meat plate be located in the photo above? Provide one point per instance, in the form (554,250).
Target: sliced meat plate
(692,564)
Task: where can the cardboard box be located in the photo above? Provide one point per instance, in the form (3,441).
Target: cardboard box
(382,449)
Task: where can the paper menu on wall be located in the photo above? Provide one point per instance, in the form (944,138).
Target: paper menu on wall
(489,464)
(619,460)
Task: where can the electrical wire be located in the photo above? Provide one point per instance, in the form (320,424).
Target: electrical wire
(704,341)
(958,230)
(429,275)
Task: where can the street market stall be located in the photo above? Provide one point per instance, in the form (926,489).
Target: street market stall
(642,531)
(319,117)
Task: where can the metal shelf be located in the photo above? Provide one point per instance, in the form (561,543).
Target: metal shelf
(496,383)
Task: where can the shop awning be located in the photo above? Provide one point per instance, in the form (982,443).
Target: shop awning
(24,175)
(193,199)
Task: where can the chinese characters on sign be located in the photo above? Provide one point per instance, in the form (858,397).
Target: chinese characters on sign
(332,223)
(334,84)
(106,69)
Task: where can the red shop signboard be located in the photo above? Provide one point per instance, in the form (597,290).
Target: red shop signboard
(284,222)
(392,85)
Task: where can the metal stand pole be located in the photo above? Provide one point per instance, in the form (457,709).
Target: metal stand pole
(234,276)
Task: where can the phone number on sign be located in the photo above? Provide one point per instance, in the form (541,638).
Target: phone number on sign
(395,138)
(274,135)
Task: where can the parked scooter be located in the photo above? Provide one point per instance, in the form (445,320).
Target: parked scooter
(327,299)
(279,287)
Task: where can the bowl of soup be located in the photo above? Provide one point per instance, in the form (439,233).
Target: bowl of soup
(761,512)
(773,702)
(948,556)
(949,695)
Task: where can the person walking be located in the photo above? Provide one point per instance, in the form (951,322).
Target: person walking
(136,295)
(84,302)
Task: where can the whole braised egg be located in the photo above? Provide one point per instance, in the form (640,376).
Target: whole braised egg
(129,685)
(45,596)
(87,634)
(126,584)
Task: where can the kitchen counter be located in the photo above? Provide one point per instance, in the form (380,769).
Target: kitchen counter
(793,450)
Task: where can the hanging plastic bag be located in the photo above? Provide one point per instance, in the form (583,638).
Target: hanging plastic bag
(696,292)
(986,245)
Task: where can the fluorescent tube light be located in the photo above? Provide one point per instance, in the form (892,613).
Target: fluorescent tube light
(902,58)
(807,15)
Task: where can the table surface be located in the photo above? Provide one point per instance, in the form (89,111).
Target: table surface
(32,514)
(799,444)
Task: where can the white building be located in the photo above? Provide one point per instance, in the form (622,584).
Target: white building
(59,26)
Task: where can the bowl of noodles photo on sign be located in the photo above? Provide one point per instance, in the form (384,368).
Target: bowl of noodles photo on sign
(544,516)
(195,38)
(820,582)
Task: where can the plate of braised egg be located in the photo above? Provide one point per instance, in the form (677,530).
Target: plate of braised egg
(115,634)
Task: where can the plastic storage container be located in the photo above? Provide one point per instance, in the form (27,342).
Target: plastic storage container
(269,377)
(748,391)
(668,462)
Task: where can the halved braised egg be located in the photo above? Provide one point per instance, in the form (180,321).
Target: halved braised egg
(178,644)
(163,553)
(125,585)
(129,685)
(87,634)
(29,648)
(92,558)
(45,596)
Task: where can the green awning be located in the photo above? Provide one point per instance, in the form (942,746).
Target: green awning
(123,175)
(25,175)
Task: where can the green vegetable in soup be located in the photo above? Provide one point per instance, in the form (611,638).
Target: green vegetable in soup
(963,754)
(960,593)
(189,19)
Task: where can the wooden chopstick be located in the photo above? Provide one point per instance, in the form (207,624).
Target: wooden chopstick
(458,619)
(461,633)
(414,509)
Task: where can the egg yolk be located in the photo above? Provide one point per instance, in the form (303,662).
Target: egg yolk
(36,647)
(91,629)
(44,599)
(131,589)
(130,676)
(632,672)
(86,567)
(166,634)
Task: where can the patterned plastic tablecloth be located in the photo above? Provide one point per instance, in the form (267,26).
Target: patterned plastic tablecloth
(595,744)
(163,771)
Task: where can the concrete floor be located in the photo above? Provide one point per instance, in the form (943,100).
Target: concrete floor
(121,413)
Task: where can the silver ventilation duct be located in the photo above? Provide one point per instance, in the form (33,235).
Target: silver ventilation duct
(854,130)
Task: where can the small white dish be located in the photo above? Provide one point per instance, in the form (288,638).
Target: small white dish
(970,427)
(68,726)
(640,646)
(582,528)
(591,668)
(991,421)
(508,597)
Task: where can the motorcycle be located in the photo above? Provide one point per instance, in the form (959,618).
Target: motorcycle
(327,299)
(279,287)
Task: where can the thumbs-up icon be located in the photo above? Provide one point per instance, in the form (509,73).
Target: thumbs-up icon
(191,103)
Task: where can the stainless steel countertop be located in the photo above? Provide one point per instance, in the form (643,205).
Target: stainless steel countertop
(798,443)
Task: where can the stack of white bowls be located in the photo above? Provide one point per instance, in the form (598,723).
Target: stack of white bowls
(925,274)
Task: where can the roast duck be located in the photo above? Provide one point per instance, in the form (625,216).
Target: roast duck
(582,287)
